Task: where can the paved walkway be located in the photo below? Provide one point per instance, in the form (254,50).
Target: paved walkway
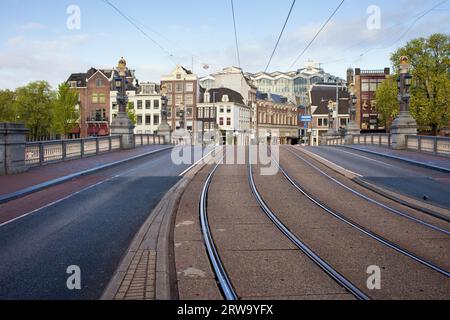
(419,158)
(38,175)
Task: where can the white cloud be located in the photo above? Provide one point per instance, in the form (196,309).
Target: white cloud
(31,26)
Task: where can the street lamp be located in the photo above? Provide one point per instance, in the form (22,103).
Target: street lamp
(122,124)
(352,128)
(404,124)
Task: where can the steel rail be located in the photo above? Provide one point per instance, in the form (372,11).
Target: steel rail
(362,229)
(339,278)
(392,210)
(219,270)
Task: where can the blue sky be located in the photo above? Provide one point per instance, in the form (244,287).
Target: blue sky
(35,43)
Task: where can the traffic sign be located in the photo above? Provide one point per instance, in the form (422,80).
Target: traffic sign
(305,118)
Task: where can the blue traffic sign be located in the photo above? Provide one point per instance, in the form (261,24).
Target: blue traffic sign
(306,118)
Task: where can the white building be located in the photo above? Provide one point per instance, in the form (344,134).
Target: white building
(232,117)
(294,85)
(233,78)
(147,107)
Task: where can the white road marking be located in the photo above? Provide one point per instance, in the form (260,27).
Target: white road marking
(367,158)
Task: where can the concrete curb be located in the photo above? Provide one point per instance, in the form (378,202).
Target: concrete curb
(417,163)
(39,187)
(403,200)
(160,221)
(342,171)
(406,201)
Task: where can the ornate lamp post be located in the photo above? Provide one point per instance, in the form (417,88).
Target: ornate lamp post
(404,124)
(352,128)
(122,124)
(164,128)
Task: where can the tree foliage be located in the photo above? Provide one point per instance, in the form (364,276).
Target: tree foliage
(8,112)
(387,101)
(65,112)
(430,67)
(34,108)
(131,112)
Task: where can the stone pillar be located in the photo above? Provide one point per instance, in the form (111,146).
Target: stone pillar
(13,138)
(123,126)
(402,126)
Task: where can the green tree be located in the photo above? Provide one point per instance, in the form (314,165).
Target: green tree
(8,112)
(131,112)
(65,113)
(34,107)
(430,93)
(387,104)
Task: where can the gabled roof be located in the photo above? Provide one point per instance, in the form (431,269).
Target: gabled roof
(271,97)
(216,95)
(321,95)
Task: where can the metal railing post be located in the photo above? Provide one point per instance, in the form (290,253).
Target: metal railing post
(41,154)
(64,150)
(435,145)
(82,148)
(97,146)
(110,143)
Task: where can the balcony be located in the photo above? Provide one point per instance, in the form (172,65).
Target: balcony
(97,119)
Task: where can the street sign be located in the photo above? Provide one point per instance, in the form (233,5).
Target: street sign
(305,118)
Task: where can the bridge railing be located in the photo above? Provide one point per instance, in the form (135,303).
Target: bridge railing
(427,144)
(435,145)
(381,139)
(148,139)
(41,153)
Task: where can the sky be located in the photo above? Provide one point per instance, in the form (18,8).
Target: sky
(37,44)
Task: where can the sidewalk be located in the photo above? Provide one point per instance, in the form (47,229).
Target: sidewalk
(418,158)
(40,175)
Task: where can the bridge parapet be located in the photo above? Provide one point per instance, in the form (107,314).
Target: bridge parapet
(45,152)
(426,144)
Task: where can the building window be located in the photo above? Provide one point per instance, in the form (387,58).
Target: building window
(189,99)
(139,120)
(156,119)
(98,98)
(156,104)
(169,87)
(228,121)
(179,87)
(189,87)
(99,83)
(148,120)
(221,121)
(148,104)
(114,106)
(139,105)
(228,109)
(94,98)
(73,84)
(189,112)
(323,122)
(178,99)
(178,76)
(169,100)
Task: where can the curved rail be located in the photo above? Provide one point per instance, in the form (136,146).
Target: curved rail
(395,211)
(300,244)
(362,229)
(219,270)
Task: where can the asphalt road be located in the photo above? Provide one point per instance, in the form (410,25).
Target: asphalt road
(408,179)
(91,229)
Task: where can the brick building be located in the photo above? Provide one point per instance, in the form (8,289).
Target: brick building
(366,84)
(277,118)
(182,90)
